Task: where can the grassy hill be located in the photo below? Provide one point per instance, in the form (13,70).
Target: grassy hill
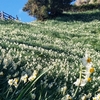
(57,45)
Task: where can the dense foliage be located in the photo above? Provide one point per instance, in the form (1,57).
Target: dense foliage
(27,50)
(43,9)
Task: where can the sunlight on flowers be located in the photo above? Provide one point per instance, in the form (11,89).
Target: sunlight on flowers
(97,97)
(13,82)
(10,82)
(24,78)
(33,76)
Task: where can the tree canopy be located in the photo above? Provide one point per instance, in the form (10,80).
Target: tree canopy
(43,9)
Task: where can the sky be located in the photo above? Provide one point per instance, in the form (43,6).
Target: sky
(14,7)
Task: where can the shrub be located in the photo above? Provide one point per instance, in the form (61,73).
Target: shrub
(43,9)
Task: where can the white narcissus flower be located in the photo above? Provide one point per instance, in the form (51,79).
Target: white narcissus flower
(33,76)
(16,85)
(97,97)
(24,78)
(84,97)
(68,97)
(35,72)
(80,82)
(86,59)
(63,90)
(83,81)
(30,78)
(87,62)
(77,82)
(10,82)
(15,82)
(88,65)
(90,68)
(33,96)
(94,98)
(1,73)
(85,77)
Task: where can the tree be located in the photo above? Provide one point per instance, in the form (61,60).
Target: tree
(43,9)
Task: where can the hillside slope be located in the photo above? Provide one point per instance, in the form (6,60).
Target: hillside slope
(58,43)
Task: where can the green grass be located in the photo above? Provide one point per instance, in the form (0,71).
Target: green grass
(58,43)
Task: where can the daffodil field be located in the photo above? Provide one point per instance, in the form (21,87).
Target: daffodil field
(51,60)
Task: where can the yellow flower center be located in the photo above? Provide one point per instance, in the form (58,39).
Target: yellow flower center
(16,80)
(92,70)
(69,98)
(89,60)
(94,98)
(89,79)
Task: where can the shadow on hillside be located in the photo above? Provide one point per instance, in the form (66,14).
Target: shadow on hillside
(17,24)
(85,17)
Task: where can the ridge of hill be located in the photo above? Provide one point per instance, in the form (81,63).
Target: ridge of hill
(60,43)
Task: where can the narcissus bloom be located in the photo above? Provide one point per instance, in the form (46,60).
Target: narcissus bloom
(13,82)
(68,97)
(24,78)
(85,74)
(86,59)
(80,82)
(97,97)
(10,82)
(33,76)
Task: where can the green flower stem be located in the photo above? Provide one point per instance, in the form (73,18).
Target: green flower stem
(80,77)
(28,87)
